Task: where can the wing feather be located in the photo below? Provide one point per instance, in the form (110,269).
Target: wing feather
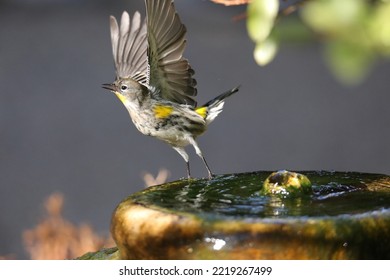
(151,52)
(170,72)
(129,46)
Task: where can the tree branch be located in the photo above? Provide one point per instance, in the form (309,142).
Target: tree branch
(284,12)
(231,2)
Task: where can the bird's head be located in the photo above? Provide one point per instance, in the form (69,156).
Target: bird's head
(127,90)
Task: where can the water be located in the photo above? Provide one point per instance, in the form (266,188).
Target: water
(237,196)
(345,216)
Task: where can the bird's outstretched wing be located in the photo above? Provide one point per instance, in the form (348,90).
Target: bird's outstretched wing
(169,73)
(129,47)
(151,52)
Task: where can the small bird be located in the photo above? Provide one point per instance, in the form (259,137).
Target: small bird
(154,81)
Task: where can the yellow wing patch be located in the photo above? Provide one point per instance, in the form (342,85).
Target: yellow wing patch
(202,111)
(162,112)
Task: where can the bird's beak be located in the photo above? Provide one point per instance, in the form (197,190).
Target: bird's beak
(110,87)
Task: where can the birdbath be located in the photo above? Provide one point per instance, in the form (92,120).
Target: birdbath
(257,215)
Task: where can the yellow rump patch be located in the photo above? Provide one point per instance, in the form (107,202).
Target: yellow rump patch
(162,112)
(202,111)
(121,97)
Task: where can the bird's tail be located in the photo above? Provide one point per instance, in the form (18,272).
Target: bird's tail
(211,109)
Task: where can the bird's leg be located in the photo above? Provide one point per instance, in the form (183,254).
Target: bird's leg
(188,169)
(207,166)
(199,153)
(184,155)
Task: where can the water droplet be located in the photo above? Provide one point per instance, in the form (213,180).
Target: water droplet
(218,243)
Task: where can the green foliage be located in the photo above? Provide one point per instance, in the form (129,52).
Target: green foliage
(265,51)
(354,33)
(261,19)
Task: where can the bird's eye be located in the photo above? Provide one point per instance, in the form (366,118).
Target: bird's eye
(123,87)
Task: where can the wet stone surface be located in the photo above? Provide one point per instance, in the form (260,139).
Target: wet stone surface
(238,196)
(337,215)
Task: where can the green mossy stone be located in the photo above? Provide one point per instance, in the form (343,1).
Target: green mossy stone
(103,254)
(285,183)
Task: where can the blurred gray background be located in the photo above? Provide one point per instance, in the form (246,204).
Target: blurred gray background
(60,131)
